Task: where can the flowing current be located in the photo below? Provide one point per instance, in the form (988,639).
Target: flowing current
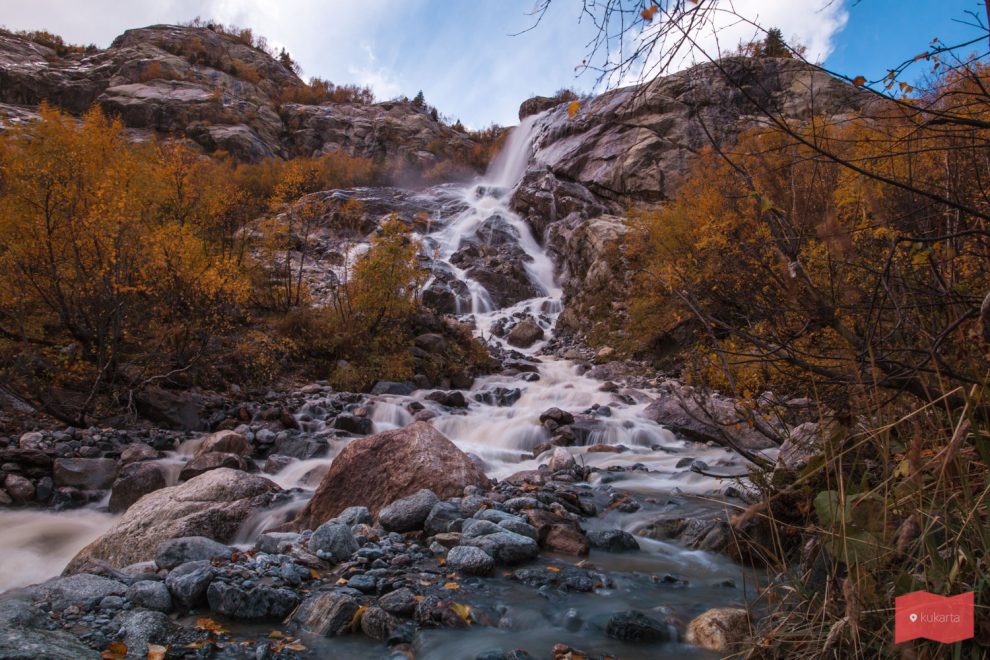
(37,544)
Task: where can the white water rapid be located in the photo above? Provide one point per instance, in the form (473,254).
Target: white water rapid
(37,544)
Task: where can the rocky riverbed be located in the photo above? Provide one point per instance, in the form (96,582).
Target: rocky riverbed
(567,505)
(598,535)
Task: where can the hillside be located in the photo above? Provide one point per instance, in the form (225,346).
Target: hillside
(219,92)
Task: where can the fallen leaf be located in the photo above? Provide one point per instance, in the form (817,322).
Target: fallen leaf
(295,646)
(357,615)
(276,634)
(463,611)
(116,651)
(315,574)
(572,108)
(210,625)
(157,652)
(553,569)
(419,598)
(451,586)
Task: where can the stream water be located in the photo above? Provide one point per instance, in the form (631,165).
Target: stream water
(36,544)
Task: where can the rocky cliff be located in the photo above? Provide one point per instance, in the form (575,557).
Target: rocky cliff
(634,145)
(213,89)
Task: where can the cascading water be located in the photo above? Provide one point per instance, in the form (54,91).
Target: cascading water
(501,434)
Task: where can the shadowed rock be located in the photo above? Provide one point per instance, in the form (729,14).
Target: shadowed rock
(380,469)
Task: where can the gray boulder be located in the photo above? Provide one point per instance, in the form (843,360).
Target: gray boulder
(150,594)
(470,560)
(443,518)
(613,540)
(505,546)
(334,541)
(327,613)
(634,626)
(174,552)
(259,602)
(134,481)
(355,515)
(212,505)
(139,628)
(85,473)
(83,590)
(408,513)
(188,583)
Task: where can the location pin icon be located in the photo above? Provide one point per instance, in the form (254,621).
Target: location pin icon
(913,617)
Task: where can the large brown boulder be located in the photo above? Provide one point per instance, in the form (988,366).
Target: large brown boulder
(385,467)
(213,504)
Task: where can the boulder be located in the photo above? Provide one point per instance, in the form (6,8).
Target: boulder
(525,333)
(355,515)
(567,539)
(188,583)
(719,629)
(444,517)
(634,626)
(150,594)
(327,613)
(175,552)
(557,416)
(19,643)
(561,460)
(382,468)
(378,624)
(134,481)
(225,442)
(505,546)
(453,399)
(211,461)
(172,409)
(84,590)
(213,504)
(358,425)
(613,540)
(333,541)
(705,418)
(85,473)
(277,543)
(402,601)
(141,628)
(138,451)
(258,602)
(408,513)
(20,488)
(470,560)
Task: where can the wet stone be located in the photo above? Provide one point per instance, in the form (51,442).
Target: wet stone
(634,626)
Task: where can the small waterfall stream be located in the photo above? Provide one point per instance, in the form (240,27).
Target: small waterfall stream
(502,437)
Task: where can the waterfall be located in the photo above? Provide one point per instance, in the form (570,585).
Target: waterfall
(501,437)
(506,170)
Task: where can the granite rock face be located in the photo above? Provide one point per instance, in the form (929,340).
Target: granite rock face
(213,505)
(213,90)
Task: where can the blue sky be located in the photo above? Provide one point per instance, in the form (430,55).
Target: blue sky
(460,52)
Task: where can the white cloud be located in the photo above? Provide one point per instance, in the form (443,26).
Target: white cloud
(381,80)
(459,53)
(814,24)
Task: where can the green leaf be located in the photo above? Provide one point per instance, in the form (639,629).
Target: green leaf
(827,507)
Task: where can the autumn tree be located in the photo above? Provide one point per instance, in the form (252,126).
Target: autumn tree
(102,248)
